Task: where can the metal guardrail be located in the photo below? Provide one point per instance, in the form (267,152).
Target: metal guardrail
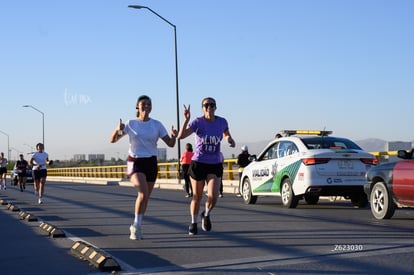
(166,170)
(379,155)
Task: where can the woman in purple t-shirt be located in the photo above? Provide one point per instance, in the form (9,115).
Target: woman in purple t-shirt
(206,165)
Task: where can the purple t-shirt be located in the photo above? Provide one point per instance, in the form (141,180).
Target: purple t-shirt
(208,136)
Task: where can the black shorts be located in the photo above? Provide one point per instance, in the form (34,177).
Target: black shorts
(38,174)
(148,166)
(22,174)
(3,170)
(199,170)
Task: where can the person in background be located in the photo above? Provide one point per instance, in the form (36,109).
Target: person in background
(142,163)
(185,161)
(278,136)
(242,161)
(221,179)
(206,166)
(21,167)
(3,171)
(38,161)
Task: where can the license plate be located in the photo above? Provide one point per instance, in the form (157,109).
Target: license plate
(345,164)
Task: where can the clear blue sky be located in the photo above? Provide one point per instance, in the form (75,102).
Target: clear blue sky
(343,65)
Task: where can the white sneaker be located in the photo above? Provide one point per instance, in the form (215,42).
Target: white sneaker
(40,201)
(135,232)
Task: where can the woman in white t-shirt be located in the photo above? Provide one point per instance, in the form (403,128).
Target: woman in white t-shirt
(38,162)
(142,166)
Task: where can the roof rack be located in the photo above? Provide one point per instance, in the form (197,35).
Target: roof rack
(305,132)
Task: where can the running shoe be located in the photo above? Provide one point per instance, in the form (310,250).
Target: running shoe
(205,222)
(192,229)
(40,201)
(135,231)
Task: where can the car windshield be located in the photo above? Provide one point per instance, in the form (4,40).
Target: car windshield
(329,143)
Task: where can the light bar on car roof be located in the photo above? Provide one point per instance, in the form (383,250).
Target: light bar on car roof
(306,132)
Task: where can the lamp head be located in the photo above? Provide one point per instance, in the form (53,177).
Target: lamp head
(137,7)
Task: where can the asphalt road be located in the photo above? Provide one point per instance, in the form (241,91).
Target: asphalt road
(265,238)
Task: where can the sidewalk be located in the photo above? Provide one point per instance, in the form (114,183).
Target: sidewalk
(22,242)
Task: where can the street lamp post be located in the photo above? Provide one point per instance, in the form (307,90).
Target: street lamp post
(8,144)
(43,121)
(176,72)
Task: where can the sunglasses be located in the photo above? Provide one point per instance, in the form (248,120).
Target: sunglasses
(142,104)
(211,105)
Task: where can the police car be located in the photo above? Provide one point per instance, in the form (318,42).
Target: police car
(307,164)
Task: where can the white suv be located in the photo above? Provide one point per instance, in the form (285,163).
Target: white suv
(306,164)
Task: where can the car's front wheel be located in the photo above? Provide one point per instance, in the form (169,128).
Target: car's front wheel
(289,199)
(247,195)
(382,206)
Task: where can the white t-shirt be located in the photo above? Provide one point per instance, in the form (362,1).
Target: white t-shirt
(39,158)
(143,137)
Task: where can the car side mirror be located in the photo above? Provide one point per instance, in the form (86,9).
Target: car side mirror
(404,154)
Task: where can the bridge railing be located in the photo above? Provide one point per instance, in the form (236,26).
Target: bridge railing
(380,155)
(166,170)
